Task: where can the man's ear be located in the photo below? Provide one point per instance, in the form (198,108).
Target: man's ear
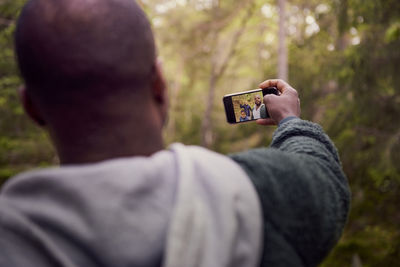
(159,85)
(29,107)
(159,89)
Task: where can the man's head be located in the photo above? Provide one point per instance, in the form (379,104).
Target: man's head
(257,100)
(67,46)
(243,113)
(88,63)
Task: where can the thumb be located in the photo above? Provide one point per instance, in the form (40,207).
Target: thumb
(268,99)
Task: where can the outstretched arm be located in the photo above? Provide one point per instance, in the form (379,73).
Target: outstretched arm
(303,191)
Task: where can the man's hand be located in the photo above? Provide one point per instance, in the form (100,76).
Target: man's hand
(282,106)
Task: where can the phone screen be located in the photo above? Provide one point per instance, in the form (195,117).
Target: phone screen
(246,106)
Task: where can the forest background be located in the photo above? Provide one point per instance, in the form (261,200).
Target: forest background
(343,58)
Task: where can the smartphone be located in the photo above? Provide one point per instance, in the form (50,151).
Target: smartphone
(248,105)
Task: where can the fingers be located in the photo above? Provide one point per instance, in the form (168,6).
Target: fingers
(266,122)
(274,82)
(282,86)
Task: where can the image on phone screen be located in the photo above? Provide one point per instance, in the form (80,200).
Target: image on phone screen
(247,106)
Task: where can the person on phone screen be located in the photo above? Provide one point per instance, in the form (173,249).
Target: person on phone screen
(243,116)
(119,196)
(246,107)
(257,107)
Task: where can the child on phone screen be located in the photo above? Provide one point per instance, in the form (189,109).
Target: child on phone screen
(243,116)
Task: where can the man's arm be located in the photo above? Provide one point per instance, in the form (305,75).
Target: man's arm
(302,189)
(303,192)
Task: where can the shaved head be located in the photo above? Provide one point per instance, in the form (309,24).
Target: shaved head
(70,49)
(91,77)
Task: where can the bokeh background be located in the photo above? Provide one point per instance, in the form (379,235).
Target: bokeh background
(343,58)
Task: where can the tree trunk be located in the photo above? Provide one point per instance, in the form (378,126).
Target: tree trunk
(343,26)
(207,138)
(259,54)
(174,93)
(218,69)
(282,49)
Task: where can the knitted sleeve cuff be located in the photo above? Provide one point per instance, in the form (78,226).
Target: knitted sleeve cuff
(287,119)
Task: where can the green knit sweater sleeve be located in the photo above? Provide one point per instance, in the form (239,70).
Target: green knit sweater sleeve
(303,192)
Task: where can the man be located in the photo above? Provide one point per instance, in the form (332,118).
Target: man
(119,198)
(257,107)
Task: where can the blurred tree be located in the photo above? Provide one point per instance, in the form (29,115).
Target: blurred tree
(282,51)
(22,145)
(217,70)
(364,122)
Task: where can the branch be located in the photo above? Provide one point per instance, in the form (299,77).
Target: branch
(234,43)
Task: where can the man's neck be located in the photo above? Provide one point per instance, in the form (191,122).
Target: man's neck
(94,142)
(81,155)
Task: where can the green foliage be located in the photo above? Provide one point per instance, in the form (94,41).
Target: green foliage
(393,32)
(344,57)
(366,130)
(22,145)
